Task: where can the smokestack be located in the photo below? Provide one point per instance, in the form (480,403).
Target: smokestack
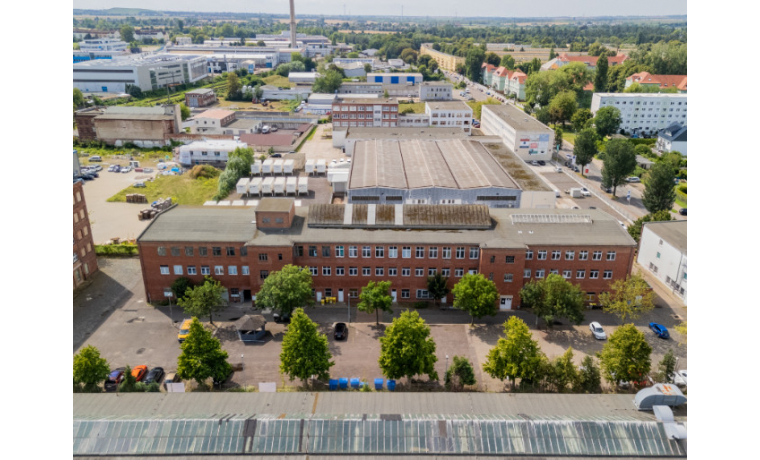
(292,24)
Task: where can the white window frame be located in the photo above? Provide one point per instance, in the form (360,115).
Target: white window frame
(379,252)
(526,273)
(556,255)
(205,270)
(192,270)
(245,270)
(541,254)
(593,274)
(326,271)
(540,273)
(460,252)
(607,275)
(406,271)
(392,271)
(509,277)
(164,269)
(567,274)
(178,269)
(353,271)
(458,272)
(366,252)
(433,252)
(419,252)
(353,252)
(446,252)
(569,255)
(218,269)
(583,255)
(406,252)
(366,271)
(611,255)
(392,252)
(476,252)
(339,251)
(597,255)
(580,274)
(232,270)
(340,271)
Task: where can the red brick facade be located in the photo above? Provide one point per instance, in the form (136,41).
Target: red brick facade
(365,113)
(85,261)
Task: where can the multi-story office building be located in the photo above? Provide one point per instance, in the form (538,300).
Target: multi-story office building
(662,251)
(149,72)
(85,261)
(450,114)
(436,91)
(365,112)
(644,112)
(395,78)
(524,135)
(103,44)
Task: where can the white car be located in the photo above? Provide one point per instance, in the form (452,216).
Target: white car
(633,179)
(680,378)
(126,169)
(585,192)
(597,331)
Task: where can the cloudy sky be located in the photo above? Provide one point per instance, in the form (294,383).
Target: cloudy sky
(535,8)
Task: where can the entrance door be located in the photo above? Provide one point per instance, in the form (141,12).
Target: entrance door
(393,294)
(319,296)
(443,299)
(246,295)
(505,303)
(340,295)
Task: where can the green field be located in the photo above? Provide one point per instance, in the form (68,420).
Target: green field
(183,190)
(278,81)
(417,107)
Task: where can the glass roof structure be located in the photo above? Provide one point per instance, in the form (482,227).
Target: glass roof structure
(376,434)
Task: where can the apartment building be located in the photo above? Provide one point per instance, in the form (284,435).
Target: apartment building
(644,112)
(436,91)
(445,61)
(85,260)
(505,80)
(242,247)
(365,112)
(450,114)
(395,78)
(522,134)
(663,252)
(658,82)
(103,44)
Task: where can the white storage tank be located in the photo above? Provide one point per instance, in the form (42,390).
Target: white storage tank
(288,167)
(256,167)
(267,185)
(242,185)
(291,185)
(254,187)
(309,166)
(266,167)
(303,185)
(279,185)
(321,166)
(278,164)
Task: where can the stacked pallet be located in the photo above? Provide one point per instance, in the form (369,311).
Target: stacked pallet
(148,213)
(136,198)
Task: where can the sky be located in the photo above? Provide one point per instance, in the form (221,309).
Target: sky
(501,8)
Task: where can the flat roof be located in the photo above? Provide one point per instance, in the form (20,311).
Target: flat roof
(278,138)
(201,91)
(436,83)
(516,118)
(415,163)
(275,204)
(361,100)
(201,223)
(657,95)
(244,123)
(395,74)
(215,113)
(448,105)
(673,232)
(134,116)
(471,216)
(405,133)
(216,143)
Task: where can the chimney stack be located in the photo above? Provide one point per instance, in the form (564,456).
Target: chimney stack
(292,24)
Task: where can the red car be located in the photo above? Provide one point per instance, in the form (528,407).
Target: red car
(138,372)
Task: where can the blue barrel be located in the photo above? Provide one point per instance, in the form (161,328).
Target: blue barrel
(391,385)
(355,383)
(378,384)
(343,383)
(333,384)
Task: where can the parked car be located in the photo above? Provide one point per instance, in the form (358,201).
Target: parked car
(114,379)
(340,332)
(534,163)
(87,177)
(276,155)
(96,167)
(633,179)
(585,191)
(154,375)
(139,184)
(171,377)
(660,330)
(597,331)
(184,330)
(126,169)
(679,378)
(96,158)
(606,189)
(138,372)
(148,170)
(682,211)
(542,162)
(558,169)
(575,168)
(280,318)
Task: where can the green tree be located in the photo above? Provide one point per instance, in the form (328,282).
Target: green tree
(577,76)
(367,68)
(619,162)
(261,43)
(409,55)
(286,289)
(635,229)
(459,374)
(638,88)
(493,59)
(554,297)
(626,356)
(563,106)
(376,296)
(589,377)
(517,356)
(666,368)
(202,356)
(305,352)
(354,54)
(329,83)
(184,111)
(681,329)
(204,299)
(407,349)
(438,287)
(607,121)
(90,369)
(558,132)
(629,298)
(600,77)
(78,98)
(385,94)
(659,191)
(127,33)
(476,295)
(579,119)
(543,115)
(552,54)
(564,374)
(233,85)
(180,286)
(585,147)
(507,61)
(596,49)
(472,63)
(129,384)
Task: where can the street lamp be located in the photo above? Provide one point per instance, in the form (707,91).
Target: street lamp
(447,365)
(169,295)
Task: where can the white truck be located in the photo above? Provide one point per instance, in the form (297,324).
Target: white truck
(575,192)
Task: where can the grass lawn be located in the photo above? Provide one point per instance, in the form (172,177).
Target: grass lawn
(183,190)
(680,203)
(417,107)
(144,154)
(569,137)
(278,81)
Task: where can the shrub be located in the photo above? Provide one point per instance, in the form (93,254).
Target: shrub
(116,250)
(204,171)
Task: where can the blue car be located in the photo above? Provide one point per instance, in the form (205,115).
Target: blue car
(660,330)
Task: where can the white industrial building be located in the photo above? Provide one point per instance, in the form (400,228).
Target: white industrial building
(644,112)
(273,93)
(320,104)
(148,72)
(345,61)
(436,91)
(662,251)
(522,134)
(208,151)
(395,78)
(450,114)
(353,70)
(103,44)
(302,78)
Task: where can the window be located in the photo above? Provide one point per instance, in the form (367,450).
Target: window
(433,252)
(246,271)
(189,251)
(597,255)
(567,274)
(312,251)
(178,269)
(474,253)
(340,271)
(610,255)
(405,293)
(607,274)
(528,255)
(580,274)
(164,269)
(540,273)
(542,255)
(526,273)
(419,271)
(590,296)
(406,252)
(313,271)
(392,252)
(216,251)
(379,271)
(392,271)
(205,270)
(658,255)
(508,277)
(431,271)
(191,270)
(218,270)
(583,255)
(460,252)
(175,251)
(510,259)
(446,253)
(556,255)
(325,251)
(366,271)
(458,272)
(379,252)
(554,271)
(366,251)
(263,274)
(326,271)
(353,271)
(299,251)
(353,251)
(161,251)
(419,252)
(338,251)
(406,271)
(569,255)
(230,251)
(263,257)
(593,274)
(423,294)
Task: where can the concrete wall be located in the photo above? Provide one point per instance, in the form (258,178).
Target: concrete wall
(111,131)
(664,261)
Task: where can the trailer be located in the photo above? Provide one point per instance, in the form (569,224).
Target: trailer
(303,185)
(279,185)
(267,185)
(254,187)
(266,167)
(288,167)
(309,166)
(291,185)
(321,166)
(242,186)
(256,167)
(278,164)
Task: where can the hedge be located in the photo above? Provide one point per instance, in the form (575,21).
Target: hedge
(116,250)
(636,142)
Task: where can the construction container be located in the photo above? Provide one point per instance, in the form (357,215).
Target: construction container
(277,168)
(242,185)
(254,187)
(279,185)
(266,166)
(321,166)
(303,185)
(288,167)
(267,185)
(309,167)
(291,185)
(256,167)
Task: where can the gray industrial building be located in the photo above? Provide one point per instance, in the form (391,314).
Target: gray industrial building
(527,137)
(149,72)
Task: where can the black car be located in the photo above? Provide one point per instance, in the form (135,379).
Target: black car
(341,331)
(575,168)
(276,155)
(281,318)
(87,177)
(542,162)
(114,379)
(154,375)
(606,189)
(682,211)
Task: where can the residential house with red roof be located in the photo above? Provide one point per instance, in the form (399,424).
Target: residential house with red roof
(658,81)
(564,59)
(505,80)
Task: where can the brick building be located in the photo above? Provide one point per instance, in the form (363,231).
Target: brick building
(200,97)
(365,112)
(85,261)
(346,246)
(116,125)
